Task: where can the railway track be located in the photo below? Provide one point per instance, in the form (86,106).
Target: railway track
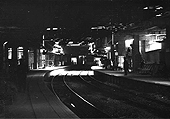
(106,100)
(74,101)
(148,106)
(152,97)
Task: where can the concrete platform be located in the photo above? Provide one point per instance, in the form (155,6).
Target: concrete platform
(38,101)
(135,76)
(133,81)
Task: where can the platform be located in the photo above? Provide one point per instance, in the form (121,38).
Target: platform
(39,101)
(134,81)
(138,77)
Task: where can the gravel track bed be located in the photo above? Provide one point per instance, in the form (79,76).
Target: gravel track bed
(117,104)
(111,106)
(153,100)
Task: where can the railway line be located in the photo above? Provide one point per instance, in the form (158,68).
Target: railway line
(74,101)
(146,101)
(90,98)
(152,97)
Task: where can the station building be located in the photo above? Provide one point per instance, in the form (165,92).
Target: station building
(148,41)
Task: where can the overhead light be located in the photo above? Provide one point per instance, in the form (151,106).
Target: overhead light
(145,8)
(55,28)
(158,8)
(158,15)
(94,28)
(150,7)
(155,34)
(48,29)
(98,27)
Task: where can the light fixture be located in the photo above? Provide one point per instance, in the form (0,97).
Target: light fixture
(154,34)
(48,29)
(145,8)
(148,7)
(159,15)
(158,8)
(98,27)
(55,28)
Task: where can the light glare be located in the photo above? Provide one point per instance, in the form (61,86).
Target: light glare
(48,29)
(55,28)
(73,105)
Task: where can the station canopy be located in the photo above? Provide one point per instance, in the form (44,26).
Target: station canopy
(63,20)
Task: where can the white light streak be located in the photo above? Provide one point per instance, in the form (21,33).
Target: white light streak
(73,105)
(145,8)
(154,34)
(55,28)
(158,8)
(158,15)
(48,29)
(96,67)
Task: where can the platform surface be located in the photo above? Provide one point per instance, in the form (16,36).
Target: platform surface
(136,76)
(38,101)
